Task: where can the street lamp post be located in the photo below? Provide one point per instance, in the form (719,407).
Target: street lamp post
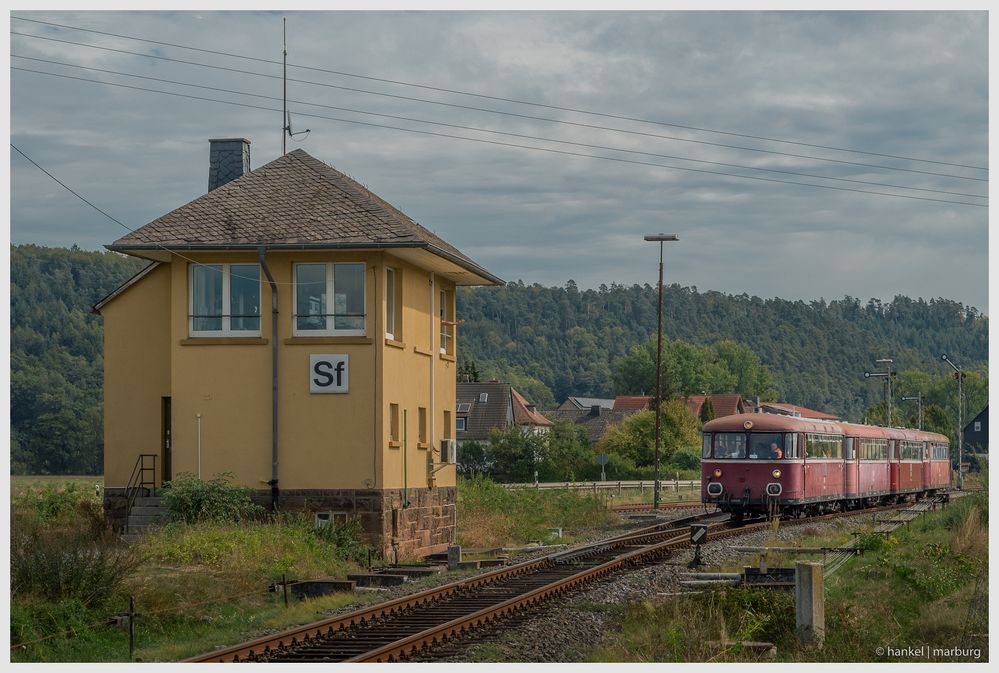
(960,420)
(660,238)
(919,407)
(887,376)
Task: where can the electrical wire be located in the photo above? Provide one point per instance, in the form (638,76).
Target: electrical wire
(506,144)
(133,231)
(504,133)
(500,112)
(502,99)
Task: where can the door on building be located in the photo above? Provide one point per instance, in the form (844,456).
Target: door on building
(167,442)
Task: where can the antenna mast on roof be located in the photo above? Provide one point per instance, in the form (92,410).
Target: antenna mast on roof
(286,131)
(284,83)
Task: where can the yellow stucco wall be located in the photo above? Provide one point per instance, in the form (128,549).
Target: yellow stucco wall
(137,373)
(325,441)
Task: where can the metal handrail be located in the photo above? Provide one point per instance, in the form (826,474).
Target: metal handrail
(137,483)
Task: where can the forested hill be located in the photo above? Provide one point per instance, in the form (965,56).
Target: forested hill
(568,339)
(550,342)
(56,356)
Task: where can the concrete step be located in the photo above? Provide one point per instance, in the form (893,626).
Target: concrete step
(148,501)
(135,521)
(149,510)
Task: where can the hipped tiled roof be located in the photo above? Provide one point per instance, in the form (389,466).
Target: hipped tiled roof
(594,424)
(294,201)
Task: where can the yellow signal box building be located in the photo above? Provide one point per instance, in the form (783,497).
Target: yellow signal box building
(295,331)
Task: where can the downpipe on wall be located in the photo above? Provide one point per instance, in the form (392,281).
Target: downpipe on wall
(275,492)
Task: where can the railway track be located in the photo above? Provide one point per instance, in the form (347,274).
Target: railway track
(645,507)
(398,629)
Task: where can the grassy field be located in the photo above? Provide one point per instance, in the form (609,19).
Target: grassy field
(906,598)
(205,585)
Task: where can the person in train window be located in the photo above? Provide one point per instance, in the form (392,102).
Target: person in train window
(776,451)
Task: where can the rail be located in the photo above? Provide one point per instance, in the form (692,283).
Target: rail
(143,479)
(675,485)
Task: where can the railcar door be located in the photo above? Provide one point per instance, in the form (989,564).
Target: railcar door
(927,467)
(851,469)
(893,469)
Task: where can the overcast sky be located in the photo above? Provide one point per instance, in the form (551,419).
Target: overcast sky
(913,85)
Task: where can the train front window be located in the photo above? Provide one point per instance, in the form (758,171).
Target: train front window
(706,445)
(730,445)
(766,446)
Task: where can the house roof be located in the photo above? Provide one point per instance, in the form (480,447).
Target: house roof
(503,406)
(586,403)
(632,402)
(725,404)
(594,424)
(522,414)
(796,409)
(295,201)
(142,273)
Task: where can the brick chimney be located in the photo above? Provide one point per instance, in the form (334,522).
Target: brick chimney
(228,159)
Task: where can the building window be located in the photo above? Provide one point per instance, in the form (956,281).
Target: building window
(393,422)
(315,313)
(225,300)
(447,325)
(978,426)
(447,424)
(392,322)
(464,407)
(460,424)
(422,425)
(483,398)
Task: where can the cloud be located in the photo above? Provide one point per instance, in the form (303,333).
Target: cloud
(910,84)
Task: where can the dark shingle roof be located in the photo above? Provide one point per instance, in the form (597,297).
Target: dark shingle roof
(503,407)
(295,201)
(595,425)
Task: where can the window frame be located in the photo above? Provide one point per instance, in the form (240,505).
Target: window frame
(226,314)
(330,274)
(461,424)
(447,324)
(392,317)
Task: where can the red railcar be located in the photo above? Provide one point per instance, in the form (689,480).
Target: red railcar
(769,463)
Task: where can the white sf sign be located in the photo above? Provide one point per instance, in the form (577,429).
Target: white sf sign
(328,373)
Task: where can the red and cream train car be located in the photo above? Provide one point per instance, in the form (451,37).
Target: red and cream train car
(769,463)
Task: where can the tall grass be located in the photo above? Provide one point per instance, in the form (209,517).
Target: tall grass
(492,516)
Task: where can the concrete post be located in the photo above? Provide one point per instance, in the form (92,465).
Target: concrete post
(453,556)
(809,593)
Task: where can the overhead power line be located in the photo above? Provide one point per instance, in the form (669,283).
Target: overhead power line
(506,144)
(499,112)
(503,99)
(497,132)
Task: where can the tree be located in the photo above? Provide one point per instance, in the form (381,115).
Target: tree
(707,411)
(632,441)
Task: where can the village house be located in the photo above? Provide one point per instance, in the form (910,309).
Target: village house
(483,407)
(298,332)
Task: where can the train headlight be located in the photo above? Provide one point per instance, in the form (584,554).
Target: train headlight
(717,473)
(776,474)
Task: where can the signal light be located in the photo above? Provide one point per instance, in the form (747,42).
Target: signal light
(776,474)
(717,473)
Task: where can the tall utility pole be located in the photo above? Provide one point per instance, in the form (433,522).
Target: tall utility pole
(887,376)
(661,238)
(919,407)
(960,420)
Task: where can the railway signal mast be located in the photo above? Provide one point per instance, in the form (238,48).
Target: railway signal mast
(959,375)
(887,376)
(919,407)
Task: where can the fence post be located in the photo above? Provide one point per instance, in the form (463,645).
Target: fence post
(131,628)
(284,583)
(810,608)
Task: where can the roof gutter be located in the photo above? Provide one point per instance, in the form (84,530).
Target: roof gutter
(275,492)
(466,264)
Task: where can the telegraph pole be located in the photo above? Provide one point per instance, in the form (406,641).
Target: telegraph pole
(887,376)
(960,420)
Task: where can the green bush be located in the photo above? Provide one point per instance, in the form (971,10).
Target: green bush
(345,539)
(192,500)
(61,564)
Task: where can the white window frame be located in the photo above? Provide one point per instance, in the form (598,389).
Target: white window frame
(447,330)
(226,330)
(390,299)
(460,424)
(330,319)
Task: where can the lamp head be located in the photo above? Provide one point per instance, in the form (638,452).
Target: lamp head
(662,237)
